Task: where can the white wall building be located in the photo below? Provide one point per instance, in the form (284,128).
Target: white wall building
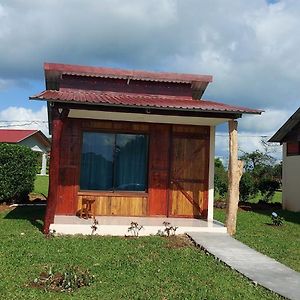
(289,136)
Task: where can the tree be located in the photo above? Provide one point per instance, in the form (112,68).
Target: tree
(221,178)
(261,174)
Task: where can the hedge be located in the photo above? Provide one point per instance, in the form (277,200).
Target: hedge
(17,172)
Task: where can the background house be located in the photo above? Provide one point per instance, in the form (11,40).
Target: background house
(136,143)
(289,136)
(33,139)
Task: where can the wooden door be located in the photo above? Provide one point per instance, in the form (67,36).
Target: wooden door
(158,169)
(189,177)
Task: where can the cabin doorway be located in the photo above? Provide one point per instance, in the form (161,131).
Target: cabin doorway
(188,176)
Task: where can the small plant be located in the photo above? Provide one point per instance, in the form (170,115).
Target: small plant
(94,226)
(169,229)
(51,233)
(67,281)
(135,229)
(276,219)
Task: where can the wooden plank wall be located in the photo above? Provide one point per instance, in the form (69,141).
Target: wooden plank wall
(162,198)
(159,164)
(117,205)
(69,168)
(189,171)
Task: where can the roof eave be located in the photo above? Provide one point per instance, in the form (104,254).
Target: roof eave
(28,136)
(238,112)
(282,132)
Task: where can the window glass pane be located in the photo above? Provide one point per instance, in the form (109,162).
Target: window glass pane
(131,162)
(96,171)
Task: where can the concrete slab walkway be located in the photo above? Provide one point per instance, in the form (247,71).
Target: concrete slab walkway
(260,268)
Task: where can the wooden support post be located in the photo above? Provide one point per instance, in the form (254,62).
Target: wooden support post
(235,171)
(57,126)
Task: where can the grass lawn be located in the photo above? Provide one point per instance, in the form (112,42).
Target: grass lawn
(142,268)
(275,198)
(281,243)
(41,185)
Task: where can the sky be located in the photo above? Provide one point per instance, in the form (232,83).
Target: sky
(250,47)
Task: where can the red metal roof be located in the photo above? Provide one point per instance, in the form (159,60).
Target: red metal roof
(138,100)
(15,135)
(124,74)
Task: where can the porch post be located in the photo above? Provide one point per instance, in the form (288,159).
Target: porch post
(44,163)
(57,126)
(235,171)
(211,174)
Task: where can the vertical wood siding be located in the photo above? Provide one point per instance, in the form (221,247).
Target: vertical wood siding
(159,169)
(175,153)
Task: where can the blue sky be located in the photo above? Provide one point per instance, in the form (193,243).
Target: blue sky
(250,47)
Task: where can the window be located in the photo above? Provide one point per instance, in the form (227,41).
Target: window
(292,148)
(114,162)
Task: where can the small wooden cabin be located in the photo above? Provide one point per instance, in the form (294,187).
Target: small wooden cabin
(138,143)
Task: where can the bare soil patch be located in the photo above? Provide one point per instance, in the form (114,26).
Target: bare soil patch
(178,241)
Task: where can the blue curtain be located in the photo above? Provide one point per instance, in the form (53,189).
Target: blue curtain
(96,171)
(130,162)
(114,162)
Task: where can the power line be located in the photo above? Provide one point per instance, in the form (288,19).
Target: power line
(10,121)
(244,135)
(19,123)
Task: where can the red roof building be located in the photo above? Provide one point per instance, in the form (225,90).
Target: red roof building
(15,135)
(134,143)
(33,139)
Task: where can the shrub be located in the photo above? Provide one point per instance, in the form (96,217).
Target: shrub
(267,188)
(247,187)
(17,172)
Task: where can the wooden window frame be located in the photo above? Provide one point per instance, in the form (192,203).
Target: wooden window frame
(292,153)
(115,192)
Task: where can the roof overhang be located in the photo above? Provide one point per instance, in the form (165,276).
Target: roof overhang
(146,111)
(146,118)
(54,73)
(286,128)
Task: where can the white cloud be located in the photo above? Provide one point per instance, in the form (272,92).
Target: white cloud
(265,124)
(247,142)
(24,118)
(250,47)
(4,84)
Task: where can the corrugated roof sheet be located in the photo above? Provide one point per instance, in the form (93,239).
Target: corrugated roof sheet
(138,100)
(124,74)
(15,135)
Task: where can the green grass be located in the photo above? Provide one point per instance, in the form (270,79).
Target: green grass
(281,243)
(276,198)
(41,185)
(143,268)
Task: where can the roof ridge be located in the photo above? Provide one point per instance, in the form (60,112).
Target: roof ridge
(70,69)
